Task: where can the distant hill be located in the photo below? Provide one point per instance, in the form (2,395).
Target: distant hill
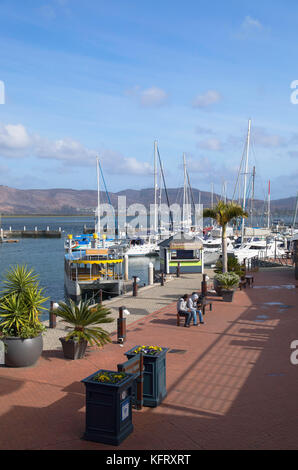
(70,201)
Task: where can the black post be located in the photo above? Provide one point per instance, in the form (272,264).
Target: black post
(121,326)
(53,318)
(162,280)
(135,287)
(100,296)
(204,286)
(178,270)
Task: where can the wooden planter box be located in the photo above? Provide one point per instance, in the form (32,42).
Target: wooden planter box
(108,410)
(154,388)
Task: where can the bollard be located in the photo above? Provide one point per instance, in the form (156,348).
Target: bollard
(100,296)
(204,286)
(125,267)
(162,280)
(178,270)
(135,286)
(121,327)
(53,317)
(150,274)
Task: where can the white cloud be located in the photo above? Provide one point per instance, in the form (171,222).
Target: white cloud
(14,137)
(149,98)
(206,99)
(251,24)
(262,138)
(16,142)
(210,144)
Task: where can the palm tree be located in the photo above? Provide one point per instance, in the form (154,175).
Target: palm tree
(223,213)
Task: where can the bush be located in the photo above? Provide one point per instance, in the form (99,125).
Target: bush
(233,267)
(227,281)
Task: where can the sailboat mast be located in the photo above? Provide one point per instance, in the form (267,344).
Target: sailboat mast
(245,176)
(252,196)
(184,191)
(155,187)
(98,198)
(269,205)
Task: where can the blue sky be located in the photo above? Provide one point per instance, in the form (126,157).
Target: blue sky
(108,78)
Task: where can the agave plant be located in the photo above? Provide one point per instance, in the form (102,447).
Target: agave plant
(86,320)
(21,302)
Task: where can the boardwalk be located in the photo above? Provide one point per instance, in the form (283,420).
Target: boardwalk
(231,385)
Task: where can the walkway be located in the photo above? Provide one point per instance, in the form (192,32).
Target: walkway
(231,386)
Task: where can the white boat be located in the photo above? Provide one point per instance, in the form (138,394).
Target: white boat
(141,247)
(213,250)
(261,249)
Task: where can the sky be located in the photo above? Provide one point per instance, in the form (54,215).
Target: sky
(107,78)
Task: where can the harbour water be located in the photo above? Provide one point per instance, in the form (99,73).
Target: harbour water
(46,256)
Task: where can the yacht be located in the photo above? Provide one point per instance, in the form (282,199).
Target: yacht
(213,250)
(256,248)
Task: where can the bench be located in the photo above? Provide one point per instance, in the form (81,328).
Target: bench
(242,284)
(135,365)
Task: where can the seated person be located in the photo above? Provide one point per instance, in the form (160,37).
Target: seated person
(193,306)
(183,310)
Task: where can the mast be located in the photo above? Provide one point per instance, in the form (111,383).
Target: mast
(212,194)
(97,228)
(269,204)
(155,187)
(252,196)
(295,215)
(245,176)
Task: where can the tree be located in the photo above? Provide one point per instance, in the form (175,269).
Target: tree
(224,213)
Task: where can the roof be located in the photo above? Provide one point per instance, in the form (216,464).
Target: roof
(182,241)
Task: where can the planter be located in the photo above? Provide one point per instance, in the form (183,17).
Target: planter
(217,287)
(73,349)
(22,352)
(227,295)
(154,388)
(108,410)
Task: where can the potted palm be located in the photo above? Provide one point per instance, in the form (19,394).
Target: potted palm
(85,320)
(21,301)
(228,283)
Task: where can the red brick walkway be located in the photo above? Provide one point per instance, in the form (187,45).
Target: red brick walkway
(233,388)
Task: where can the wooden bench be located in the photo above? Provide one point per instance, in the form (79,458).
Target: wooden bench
(179,315)
(135,365)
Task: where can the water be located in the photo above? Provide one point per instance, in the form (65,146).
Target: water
(46,255)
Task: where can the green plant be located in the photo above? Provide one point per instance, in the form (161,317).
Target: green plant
(233,267)
(21,302)
(85,320)
(224,213)
(227,281)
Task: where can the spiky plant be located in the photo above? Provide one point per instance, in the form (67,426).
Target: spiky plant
(223,213)
(21,301)
(86,320)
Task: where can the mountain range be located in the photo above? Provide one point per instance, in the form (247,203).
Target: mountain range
(69,201)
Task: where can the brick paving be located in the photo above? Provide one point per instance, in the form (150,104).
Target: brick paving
(233,388)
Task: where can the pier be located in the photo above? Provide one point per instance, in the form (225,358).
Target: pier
(36,233)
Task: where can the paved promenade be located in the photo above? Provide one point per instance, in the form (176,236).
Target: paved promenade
(149,300)
(232,385)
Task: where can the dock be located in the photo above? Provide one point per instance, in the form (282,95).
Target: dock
(8,234)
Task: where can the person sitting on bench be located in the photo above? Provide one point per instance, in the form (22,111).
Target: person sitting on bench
(192,304)
(183,310)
